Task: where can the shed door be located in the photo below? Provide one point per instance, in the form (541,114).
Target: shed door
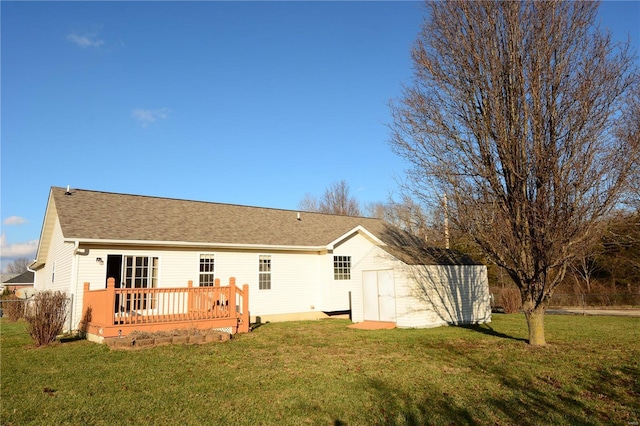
(379,296)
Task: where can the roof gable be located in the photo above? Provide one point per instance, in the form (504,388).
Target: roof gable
(50,218)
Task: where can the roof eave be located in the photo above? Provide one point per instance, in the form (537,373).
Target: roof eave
(171,244)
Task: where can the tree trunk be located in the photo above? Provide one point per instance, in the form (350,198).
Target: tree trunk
(535,322)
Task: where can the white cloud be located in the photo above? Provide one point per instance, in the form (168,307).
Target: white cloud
(85,40)
(14,220)
(12,251)
(146,116)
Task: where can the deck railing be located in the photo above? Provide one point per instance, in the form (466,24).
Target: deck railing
(111,309)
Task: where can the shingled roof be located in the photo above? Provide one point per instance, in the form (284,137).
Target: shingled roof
(24,278)
(94,215)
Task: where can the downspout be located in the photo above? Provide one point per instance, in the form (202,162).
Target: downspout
(74,279)
(34,274)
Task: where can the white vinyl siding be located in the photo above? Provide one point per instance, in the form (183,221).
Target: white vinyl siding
(299,286)
(430,295)
(336,295)
(56,273)
(301,282)
(445,294)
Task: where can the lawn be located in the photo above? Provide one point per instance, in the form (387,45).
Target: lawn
(323,373)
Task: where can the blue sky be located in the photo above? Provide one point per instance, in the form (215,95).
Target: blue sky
(254,103)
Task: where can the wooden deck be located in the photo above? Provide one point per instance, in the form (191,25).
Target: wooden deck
(113,312)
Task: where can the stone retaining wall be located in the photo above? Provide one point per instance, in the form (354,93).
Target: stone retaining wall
(148,342)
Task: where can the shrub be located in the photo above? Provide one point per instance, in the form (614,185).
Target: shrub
(12,307)
(46,316)
(510,300)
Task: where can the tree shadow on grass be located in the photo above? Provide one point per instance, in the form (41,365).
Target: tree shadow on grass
(490,331)
(434,406)
(533,400)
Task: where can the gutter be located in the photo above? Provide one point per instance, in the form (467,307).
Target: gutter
(113,242)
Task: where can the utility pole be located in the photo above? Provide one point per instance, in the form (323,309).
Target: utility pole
(446,222)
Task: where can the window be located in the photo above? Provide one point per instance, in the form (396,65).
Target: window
(341,267)
(264,272)
(140,272)
(207,277)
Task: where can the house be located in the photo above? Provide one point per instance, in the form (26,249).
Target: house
(20,281)
(297,265)
(5,277)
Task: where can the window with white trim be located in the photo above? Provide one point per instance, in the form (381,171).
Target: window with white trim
(341,267)
(140,272)
(264,272)
(207,269)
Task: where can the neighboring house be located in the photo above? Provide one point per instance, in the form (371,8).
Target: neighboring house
(24,280)
(7,277)
(298,265)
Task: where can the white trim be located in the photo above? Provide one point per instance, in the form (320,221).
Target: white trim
(196,244)
(199,273)
(270,272)
(44,226)
(342,262)
(357,229)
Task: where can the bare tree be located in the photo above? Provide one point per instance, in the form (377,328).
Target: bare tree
(335,200)
(584,268)
(630,130)
(406,214)
(517,113)
(18,266)
(622,250)
(309,203)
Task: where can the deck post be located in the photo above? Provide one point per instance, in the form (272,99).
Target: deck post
(85,301)
(231,301)
(190,301)
(109,312)
(244,323)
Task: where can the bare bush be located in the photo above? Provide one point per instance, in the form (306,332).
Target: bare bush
(46,316)
(510,300)
(12,307)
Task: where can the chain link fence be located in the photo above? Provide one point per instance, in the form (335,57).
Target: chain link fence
(14,308)
(610,300)
(508,300)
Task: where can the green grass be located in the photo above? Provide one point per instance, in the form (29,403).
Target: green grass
(322,373)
